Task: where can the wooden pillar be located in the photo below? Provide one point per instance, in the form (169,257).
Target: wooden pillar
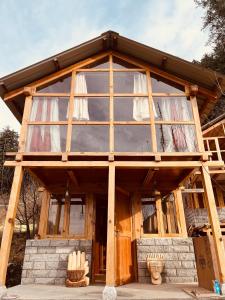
(110,259)
(136,216)
(159,214)
(214,220)
(219,194)
(66,220)
(180,212)
(10,222)
(43,224)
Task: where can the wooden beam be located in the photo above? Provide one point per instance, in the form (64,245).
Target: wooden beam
(214,220)
(120,164)
(73,178)
(90,226)
(180,212)
(136,216)
(159,214)
(10,222)
(66,220)
(149,177)
(43,223)
(122,190)
(110,257)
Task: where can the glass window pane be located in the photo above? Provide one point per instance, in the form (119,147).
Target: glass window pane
(149,215)
(131,109)
(130,82)
(173,109)
(92,82)
(62,85)
(77,217)
(122,64)
(162,85)
(91,109)
(132,138)
(99,64)
(49,109)
(90,138)
(46,138)
(55,217)
(176,138)
(169,215)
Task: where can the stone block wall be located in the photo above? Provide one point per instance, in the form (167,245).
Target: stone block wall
(199,216)
(45,261)
(180,266)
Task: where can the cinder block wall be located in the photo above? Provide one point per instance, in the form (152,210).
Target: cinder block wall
(45,261)
(179,256)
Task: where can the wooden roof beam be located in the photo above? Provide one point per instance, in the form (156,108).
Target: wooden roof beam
(73,178)
(149,177)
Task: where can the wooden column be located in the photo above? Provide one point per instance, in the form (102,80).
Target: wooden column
(10,222)
(43,224)
(180,212)
(159,214)
(110,259)
(219,194)
(136,216)
(214,220)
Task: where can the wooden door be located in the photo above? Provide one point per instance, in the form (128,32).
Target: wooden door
(123,235)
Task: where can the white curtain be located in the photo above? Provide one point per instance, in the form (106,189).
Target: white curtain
(44,109)
(80,111)
(141,104)
(176,137)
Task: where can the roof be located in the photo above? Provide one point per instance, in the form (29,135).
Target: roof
(215,127)
(194,73)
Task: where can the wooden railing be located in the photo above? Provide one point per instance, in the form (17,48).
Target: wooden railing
(215,145)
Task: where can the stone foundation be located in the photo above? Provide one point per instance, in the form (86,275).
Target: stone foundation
(179,256)
(45,261)
(199,217)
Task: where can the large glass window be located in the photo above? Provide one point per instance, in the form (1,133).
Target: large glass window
(46,138)
(149,215)
(55,217)
(132,138)
(77,217)
(111,97)
(90,138)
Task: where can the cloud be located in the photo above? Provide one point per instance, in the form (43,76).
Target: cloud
(35,30)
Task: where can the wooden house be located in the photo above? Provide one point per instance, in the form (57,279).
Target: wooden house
(112,131)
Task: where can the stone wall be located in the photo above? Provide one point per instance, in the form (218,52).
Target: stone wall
(199,216)
(179,257)
(45,261)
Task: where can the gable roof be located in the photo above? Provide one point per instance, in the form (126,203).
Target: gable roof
(171,64)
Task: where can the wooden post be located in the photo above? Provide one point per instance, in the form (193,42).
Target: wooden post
(43,224)
(110,259)
(180,212)
(159,214)
(219,194)
(10,222)
(136,215)
(214,220)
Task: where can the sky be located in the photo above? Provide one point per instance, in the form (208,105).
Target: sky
(34,30)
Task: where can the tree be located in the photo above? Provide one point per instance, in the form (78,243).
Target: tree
(28,209)
(214,20)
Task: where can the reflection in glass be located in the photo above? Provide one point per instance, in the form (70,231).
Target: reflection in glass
(99,64)
(55,217)
(149,215)
(77,217)
(132,138)
(49,109)
(122,64)
(176,138)
(162,85)
(92,82)
(131,109)
(173,109)
(91,109)
(90,138)
(46,138)
(62,85)
(130,82)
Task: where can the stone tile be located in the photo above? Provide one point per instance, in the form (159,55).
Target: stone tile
(27,281)
(85,243)
(183,249)
(150,249)
(28,243)
(74,243)
(186,272)
(179,279)
(60,281)
(44,257)
(59,243)
(188,264)
(41,243)
(46,250)
(181,241)
(46,280)
(170,272)
(39,265)
(186,256)
(163,241)
(173,264)
(27,265)
(26,257)
(30,250)
(144,241)
(64,249)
